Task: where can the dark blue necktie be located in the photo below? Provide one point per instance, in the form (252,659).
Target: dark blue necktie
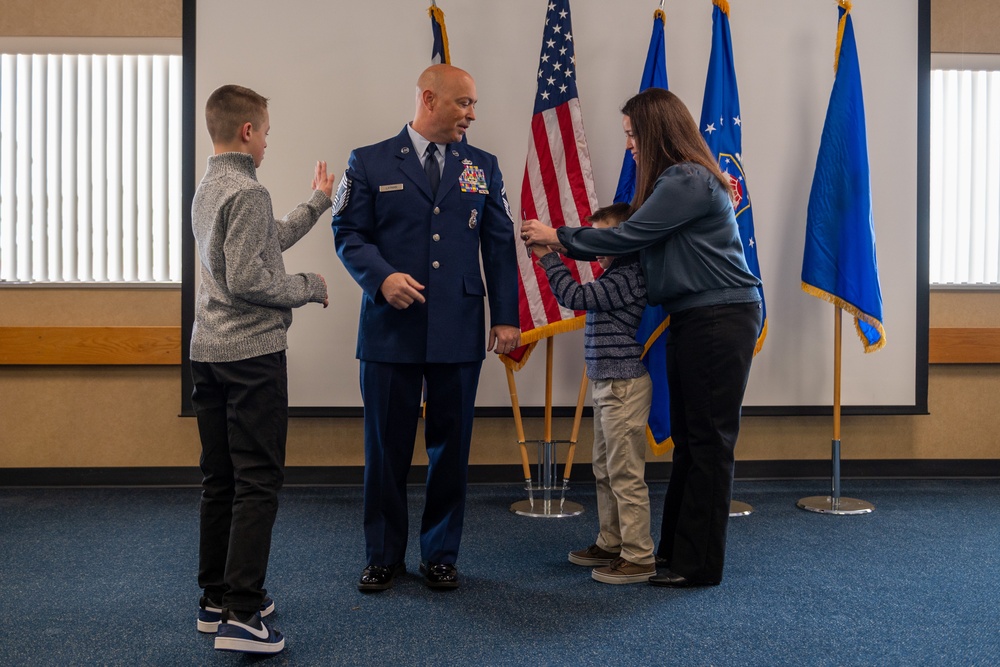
(432,169)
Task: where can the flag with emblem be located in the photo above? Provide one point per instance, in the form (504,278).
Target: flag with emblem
(839,263)
(722,127)
(439,49)
(652,331)
(558,186)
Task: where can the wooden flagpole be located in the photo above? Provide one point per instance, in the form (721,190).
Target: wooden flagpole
(834,503)
(547,459)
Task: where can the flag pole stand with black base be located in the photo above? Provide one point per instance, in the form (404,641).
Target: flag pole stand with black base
(834,503)
(544,505)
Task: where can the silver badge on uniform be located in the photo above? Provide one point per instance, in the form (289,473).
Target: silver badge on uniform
(455,153)
(343,194)
(404,150)
(472,218)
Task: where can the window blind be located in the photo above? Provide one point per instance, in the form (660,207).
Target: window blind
(90,168)
(965,177)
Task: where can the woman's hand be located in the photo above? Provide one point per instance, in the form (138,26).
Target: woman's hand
(534,232)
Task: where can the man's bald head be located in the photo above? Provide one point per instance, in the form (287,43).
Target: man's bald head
(445,104)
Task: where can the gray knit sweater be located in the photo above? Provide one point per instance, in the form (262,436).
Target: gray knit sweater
(614,304)
(245,299)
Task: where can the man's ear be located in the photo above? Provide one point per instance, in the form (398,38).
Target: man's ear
(245,131)
(428,99)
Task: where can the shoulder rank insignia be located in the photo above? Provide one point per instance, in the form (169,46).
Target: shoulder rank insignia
(343,194)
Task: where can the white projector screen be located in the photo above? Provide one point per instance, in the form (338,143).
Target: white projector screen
(341,75)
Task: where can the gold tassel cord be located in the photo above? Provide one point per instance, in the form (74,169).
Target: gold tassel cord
(723,5)
(437,14)
(846,4)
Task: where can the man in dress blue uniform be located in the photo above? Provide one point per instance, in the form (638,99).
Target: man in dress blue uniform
(411,218)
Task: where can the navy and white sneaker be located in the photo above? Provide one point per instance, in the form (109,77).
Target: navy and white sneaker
(250,636)
(210,614)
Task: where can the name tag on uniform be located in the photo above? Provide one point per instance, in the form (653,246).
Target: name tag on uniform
(390,188)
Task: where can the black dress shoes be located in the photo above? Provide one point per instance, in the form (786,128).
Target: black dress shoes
(674,580)
(440,575)
(379,577)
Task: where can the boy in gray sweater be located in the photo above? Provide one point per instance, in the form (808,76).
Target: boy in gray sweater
(242,314)
(622,389)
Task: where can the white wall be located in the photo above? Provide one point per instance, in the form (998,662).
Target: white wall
(342,74)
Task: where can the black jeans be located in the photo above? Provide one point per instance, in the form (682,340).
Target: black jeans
(709,351)
(242,409)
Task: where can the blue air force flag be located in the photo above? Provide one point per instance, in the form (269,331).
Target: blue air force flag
(839,263)
(652,331)
(722,127)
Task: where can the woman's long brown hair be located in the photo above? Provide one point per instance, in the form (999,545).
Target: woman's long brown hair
(665,134)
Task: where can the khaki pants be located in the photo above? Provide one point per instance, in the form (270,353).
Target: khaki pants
(621,409)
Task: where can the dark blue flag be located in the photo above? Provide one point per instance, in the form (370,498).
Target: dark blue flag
(652,332)
(839,263)
(439,50)
(722,127)
(654,75)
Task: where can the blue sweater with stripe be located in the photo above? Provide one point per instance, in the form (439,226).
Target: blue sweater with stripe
(614,304)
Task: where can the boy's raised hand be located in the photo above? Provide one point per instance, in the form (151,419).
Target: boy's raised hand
(322,180)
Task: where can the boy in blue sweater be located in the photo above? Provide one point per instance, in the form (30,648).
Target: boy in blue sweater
(622,389)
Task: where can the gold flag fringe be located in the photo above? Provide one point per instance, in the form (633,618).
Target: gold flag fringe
(660,330)
(659,448)
(853,310)
(723,5)
(540,333)
(760,339)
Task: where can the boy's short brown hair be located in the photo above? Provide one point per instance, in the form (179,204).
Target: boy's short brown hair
(229,107)
(612,214)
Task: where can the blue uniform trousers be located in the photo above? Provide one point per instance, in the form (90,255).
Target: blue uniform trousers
(391,394)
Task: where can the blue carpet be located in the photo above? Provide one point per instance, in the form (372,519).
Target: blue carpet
(107,577)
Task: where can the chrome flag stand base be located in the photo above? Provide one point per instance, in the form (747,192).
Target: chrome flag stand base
(834,504)
(738,508)
(544,505)
(831,505)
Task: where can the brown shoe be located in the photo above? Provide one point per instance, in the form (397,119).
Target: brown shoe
(592,556)
(621,571)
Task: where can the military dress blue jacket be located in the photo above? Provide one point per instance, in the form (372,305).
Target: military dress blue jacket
(386,220)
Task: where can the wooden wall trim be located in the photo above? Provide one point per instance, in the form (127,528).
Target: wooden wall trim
(129,346)
(112,346)
(954,345)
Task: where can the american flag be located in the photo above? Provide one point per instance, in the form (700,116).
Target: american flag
(558,185)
